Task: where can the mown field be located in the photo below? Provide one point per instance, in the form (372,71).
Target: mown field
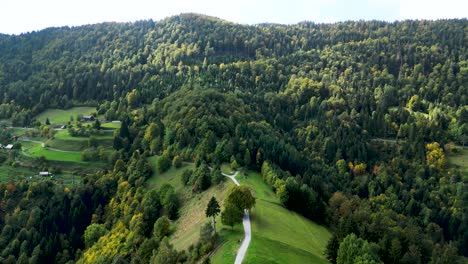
(111,125)
(60,116)
(33,149)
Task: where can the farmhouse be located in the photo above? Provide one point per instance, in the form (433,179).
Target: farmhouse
(88,118)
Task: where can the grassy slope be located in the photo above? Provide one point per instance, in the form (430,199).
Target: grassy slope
(64,135)
(60,116)
(62,140)
(8,173)
(15,173)
(31,149)
(278,235)
(111,125)
(460,160)
(192,212)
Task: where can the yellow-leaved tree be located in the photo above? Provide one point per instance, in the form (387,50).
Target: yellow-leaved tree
(435,156)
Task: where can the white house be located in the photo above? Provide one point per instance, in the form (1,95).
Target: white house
(9,146)
(45,173)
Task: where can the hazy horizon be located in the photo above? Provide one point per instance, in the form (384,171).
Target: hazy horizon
(15,19)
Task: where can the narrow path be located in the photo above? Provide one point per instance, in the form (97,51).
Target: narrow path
(245,222)
(33,141)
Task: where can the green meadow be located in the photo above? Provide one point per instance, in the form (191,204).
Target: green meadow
(60,116)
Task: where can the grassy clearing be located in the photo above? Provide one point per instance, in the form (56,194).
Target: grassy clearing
(67,145)
(459,160)
(21,131)
(31,149)
(64,135)
(172,176)
(60,116)
(228,244)
(8,173)
(192,213)
(111,125)
(226,168)
(63,141)
(278,235)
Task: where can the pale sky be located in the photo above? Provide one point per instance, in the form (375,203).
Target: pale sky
(18,16)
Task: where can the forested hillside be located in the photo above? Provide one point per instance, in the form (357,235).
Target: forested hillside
(351,124)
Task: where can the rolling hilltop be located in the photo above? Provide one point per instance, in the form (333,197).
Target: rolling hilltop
(350,136)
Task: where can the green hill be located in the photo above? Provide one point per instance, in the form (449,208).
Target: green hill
(278,235)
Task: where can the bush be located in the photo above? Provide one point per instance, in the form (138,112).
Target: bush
(186,175)
(216,176)
(162,227)
(163,163)
(177,161)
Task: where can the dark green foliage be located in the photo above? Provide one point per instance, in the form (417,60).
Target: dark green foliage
(201,178)
(145,251)
(216,176)
(176,162)
(163,163)
(186,175)
(331,252)
(339,115)
(97,124)
(212,210)
(162,227)
(169,200)
(231,215)
(206,233)
(165,254)
(238,199)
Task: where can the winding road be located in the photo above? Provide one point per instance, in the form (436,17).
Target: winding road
(246,222)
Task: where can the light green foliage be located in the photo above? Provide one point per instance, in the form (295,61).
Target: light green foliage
(93,233)
(177,161)
(357,250)
(231,215)
(240,197)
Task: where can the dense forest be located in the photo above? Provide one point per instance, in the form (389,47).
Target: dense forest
(349,123)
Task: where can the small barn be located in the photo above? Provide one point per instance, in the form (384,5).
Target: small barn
(88,118)
(9,146)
